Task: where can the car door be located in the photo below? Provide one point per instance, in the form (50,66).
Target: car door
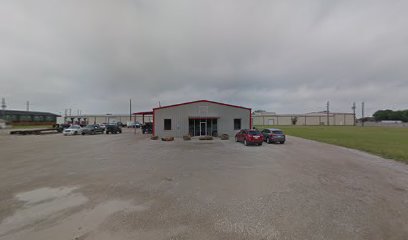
(244,134)
(239,136)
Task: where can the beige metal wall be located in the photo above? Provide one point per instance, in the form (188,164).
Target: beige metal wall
(337,119)
(180,115)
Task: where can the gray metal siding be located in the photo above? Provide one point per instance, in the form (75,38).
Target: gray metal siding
(180,115)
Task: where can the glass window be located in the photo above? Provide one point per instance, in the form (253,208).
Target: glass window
(254,133)
(38,118)
(167,124)
(50,118)
(25,118)
(237,124)
(11,117)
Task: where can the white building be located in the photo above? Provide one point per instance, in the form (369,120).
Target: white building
(200,118)
(307,119)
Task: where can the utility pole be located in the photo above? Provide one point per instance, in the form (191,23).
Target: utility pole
(354,112)
(130,110)
(362,114)
(3,104)
(3,107)
(328,111)
(28,106)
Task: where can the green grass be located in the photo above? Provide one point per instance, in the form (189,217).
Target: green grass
(385,142)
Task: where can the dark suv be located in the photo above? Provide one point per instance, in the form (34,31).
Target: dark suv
(273,135)
(113,128)
(92,129)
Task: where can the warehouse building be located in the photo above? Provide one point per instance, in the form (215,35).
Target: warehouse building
(308,119)
(106,118)
(16,118)
(200,118)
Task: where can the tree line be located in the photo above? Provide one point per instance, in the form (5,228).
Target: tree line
(400,115)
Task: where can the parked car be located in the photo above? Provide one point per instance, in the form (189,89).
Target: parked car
(60,127)
(73,130)
(113,128)
(249,136)
(120,124)
(92,129)
(273,135)
(147,128)
(133,124)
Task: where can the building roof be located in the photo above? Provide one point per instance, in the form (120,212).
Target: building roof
(143,113)
(202,101)
(18,112)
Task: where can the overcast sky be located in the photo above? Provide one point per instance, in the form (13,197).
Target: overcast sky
(282,56)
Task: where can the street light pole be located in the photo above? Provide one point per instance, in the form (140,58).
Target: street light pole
(328,110)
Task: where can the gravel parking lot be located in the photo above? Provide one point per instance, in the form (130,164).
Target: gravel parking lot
(127,186)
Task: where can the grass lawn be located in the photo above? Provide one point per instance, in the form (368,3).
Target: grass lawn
(386,142)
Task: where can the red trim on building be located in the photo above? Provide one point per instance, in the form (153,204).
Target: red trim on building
(250,118)
(143,113)
(154,123)
(205,101)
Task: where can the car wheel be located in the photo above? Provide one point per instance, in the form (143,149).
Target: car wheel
(245,142)
(236,139)
(282,142)
(107,132)
(75,133)
(83,134)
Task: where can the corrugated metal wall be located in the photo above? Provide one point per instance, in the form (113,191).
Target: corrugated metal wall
(180,115)
(337,119)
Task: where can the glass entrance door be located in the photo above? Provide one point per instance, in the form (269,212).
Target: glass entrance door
(203,128)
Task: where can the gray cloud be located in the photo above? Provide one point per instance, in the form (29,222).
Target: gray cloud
(283,56)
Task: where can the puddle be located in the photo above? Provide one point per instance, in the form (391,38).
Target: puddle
(40,204)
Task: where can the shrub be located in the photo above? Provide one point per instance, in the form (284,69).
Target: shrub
(167,139)
(224,136)
(206,138)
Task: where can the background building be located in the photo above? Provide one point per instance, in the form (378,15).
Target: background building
(106,118)
(200,118)
(308,119)
(15,117)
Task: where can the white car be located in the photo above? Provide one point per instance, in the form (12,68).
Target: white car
(73,130)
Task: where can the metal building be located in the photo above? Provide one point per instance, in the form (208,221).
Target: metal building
(16,117)
(199,118)
(105,118)
(308,119)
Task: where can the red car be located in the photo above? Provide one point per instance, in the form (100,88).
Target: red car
(249,136)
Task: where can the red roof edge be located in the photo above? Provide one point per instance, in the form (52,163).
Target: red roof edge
(143,113)
(206,101)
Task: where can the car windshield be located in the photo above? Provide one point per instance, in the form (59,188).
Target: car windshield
(254,132)
(277,132)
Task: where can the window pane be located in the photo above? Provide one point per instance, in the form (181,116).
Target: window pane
(237,124)
(167,124)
